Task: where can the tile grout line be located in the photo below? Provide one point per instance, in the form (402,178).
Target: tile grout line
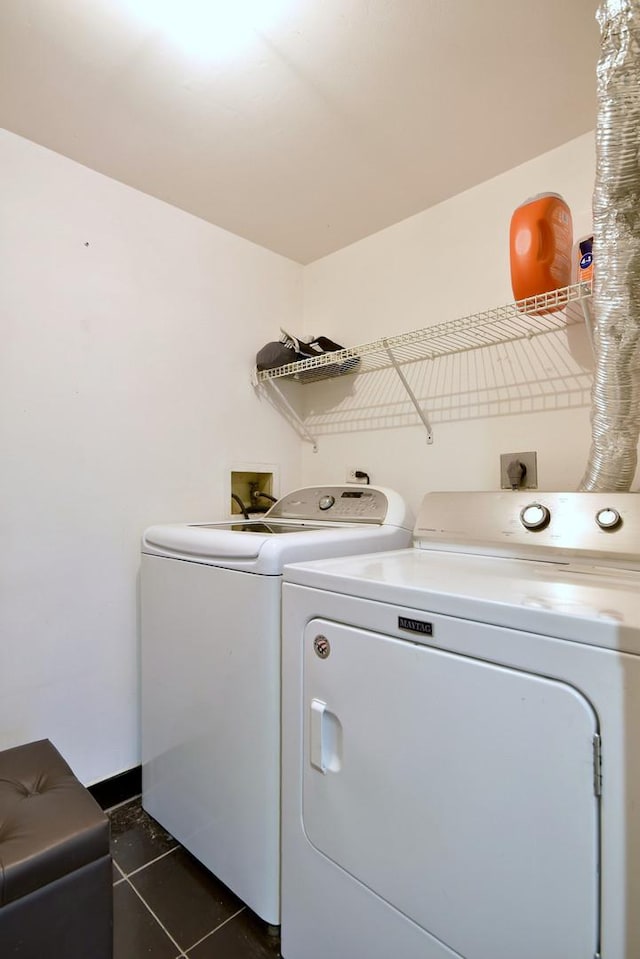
(147,906)
(219,926)
(134,872)
(126,877)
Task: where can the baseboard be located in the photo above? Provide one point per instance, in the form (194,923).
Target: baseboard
(118,788)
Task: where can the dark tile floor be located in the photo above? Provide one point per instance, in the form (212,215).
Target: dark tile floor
(168,906)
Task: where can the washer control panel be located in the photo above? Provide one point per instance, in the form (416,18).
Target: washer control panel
(604,526)
(336,504)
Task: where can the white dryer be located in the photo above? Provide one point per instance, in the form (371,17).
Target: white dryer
(461,737)
(211,618)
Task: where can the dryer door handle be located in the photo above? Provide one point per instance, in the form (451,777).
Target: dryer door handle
(326,738)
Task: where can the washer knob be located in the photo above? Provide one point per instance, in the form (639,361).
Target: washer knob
(608,518)
(326,502)
(535,516)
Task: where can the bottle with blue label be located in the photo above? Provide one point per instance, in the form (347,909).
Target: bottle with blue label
(583,259)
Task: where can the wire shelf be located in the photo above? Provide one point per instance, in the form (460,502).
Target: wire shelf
(523,319)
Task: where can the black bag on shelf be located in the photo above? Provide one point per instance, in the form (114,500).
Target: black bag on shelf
(291,349)
(275,354)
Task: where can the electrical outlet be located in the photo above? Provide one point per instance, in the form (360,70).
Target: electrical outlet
(352,478)
(528,460)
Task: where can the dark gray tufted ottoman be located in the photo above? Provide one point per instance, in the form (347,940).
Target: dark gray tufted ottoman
(55,864)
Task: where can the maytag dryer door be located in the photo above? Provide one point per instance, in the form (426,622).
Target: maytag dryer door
(459,791)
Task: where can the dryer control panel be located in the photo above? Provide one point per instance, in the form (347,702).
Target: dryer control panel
(602,528)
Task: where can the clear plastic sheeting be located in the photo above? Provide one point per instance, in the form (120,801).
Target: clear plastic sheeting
(615,415)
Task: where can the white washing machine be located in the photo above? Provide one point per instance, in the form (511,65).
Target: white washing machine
(461,737)
(211,617)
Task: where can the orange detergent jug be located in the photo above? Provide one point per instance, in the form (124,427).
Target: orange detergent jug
(540,241)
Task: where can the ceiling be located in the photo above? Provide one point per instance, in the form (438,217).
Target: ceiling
(312,123)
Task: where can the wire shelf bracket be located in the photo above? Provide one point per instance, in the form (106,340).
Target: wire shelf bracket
(411,395)
(292,415)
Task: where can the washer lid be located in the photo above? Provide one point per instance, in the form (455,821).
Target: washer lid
(243,540)
(258,526)
(326,521)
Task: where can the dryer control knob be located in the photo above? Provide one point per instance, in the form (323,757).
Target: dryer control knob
(608,518)
(535,516)
(326,502)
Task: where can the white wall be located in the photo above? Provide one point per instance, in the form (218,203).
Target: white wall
(450,261)
(128,332)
